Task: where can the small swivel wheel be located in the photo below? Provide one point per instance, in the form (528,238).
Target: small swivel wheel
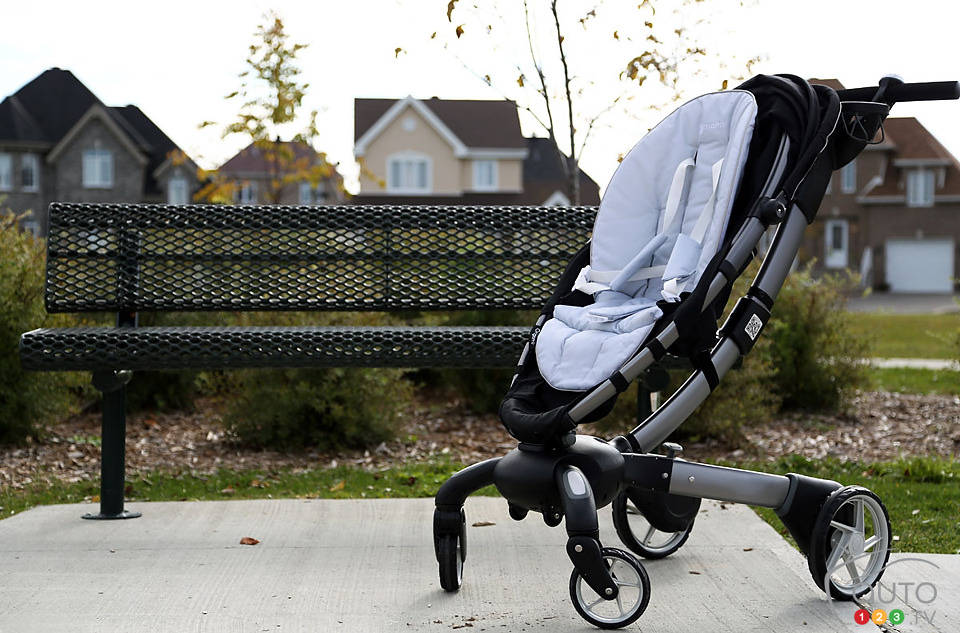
(451,552)
(850,543)
(633,586)
(639,534)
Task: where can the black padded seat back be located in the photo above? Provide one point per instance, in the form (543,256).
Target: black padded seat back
(124,257)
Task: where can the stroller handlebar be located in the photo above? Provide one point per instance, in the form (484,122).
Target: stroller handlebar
(898,92)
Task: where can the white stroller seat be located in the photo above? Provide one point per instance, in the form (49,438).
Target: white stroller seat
(661,220)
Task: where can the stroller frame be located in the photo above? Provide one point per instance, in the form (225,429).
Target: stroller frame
(583,473)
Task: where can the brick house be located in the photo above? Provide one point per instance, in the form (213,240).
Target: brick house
(250,172)
(59,142)
(444,151)
(893,214)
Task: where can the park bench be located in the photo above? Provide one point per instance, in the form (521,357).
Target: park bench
(131,258)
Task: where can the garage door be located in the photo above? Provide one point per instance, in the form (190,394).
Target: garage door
(920,265)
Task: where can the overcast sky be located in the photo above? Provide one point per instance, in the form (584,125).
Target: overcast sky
(176,60)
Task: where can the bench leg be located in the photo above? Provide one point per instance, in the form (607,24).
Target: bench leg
(113,445)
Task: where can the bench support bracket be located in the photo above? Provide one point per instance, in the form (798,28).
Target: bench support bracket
(113,386)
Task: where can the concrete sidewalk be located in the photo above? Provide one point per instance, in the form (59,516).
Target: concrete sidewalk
(368,566)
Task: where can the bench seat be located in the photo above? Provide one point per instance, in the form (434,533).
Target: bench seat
(212,347)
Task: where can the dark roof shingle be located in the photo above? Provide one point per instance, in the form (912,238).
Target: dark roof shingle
(477,123)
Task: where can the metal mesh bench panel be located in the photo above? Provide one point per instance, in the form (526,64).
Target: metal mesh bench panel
(108,348)
(118,257)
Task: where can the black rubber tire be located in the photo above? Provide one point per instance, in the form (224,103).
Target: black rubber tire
(822,532)
(622,524)
(631,560)
(450,559)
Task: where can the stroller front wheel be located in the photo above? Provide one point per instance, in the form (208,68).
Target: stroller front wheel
(633,586)
(850,543)
(450,557)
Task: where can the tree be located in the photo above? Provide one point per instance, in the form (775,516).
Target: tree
(270,99)
(566,77)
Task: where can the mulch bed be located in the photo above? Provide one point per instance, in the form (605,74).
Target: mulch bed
(880,426)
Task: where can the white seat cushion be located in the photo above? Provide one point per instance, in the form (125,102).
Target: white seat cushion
(703,146)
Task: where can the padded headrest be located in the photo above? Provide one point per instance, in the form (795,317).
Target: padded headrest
(708,129)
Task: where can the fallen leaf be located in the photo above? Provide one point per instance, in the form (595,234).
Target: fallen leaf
(249,540)
(459,31)
(411,480)
(338,486)
(748,549)
(228,490)
(695,573)
(483,523)
(95,499)
(915,512)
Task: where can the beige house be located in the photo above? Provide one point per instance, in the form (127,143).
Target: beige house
(450,151)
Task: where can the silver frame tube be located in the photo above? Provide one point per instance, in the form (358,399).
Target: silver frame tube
(705,481)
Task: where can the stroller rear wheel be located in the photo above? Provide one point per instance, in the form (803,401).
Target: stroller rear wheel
(637,532)
(633,586)
(850,543)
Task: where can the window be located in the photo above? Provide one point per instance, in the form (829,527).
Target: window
(97,169)
(247,193)
(408,174)
(920,188)
(484,175)
(29,172)
(178,190)
(848,177)
(6,172)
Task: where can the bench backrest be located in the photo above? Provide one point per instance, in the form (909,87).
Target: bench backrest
(126,257)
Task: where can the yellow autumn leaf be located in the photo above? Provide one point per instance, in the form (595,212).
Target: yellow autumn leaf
(520,80)
(616,35)
(450,6)
(459,31)
(396,52)
(337,486)
(723,86)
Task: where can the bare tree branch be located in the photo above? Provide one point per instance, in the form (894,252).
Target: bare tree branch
(573,171)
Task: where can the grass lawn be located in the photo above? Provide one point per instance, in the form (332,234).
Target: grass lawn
(928,485)
(909,380)
(910,335)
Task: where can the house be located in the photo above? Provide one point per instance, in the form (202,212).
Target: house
(59,142)
(893,214)
(282,172)
(446,151)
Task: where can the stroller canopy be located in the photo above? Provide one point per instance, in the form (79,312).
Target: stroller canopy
(661,220)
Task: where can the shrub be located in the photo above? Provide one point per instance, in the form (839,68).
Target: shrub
(27,399)
(326,409)
(817,355)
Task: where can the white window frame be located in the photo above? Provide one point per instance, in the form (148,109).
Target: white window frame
(97,168)
(848,177)
(478,167)
(33,161)
(836,258)
(6,171)
(309,193)
(406,160)
(173,196)
(247,192)
(920,187)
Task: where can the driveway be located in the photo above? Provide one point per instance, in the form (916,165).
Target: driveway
(905,303)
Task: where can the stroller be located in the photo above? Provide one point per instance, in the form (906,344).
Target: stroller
(679,222)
